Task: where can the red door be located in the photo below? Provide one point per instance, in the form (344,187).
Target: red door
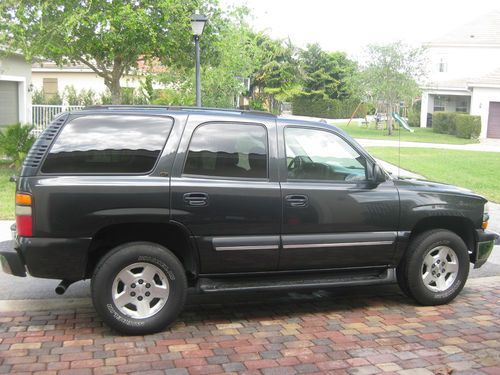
(494,120)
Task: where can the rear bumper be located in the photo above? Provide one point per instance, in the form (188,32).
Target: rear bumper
(486,240)
(51,258)
(12,263)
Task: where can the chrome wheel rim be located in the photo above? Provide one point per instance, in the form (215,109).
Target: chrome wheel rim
(440,268)
(140,290)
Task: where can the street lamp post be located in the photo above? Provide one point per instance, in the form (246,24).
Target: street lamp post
(197,24)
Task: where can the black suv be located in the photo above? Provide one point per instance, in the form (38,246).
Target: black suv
(150,201)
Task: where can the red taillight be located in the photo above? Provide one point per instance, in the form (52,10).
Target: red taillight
(24,226)
(24,218)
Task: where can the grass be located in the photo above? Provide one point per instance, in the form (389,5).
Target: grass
(477,171)
(420,135)
(7,191)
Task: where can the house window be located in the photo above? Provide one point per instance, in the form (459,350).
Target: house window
(462,105)
(50,86)
(439,104)
(442,66)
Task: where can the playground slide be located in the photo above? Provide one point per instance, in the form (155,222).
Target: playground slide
(402,122)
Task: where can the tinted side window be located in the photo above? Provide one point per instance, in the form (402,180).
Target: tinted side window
(108,144)
(313,154)
(228,150)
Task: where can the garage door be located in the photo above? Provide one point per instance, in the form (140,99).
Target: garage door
(9,102)
(494,121)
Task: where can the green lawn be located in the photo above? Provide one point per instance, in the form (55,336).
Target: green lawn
(7,191)
(477,171)
(420,135)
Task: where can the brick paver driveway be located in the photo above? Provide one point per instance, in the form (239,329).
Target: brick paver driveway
(352,331)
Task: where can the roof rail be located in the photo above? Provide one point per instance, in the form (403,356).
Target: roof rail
(177,108)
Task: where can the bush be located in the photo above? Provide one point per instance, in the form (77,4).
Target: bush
(84,97)
(444,122)
(39,97)
(458,124)
(414,114)
(467,126)
(15,142)
(414,118)
(327,108)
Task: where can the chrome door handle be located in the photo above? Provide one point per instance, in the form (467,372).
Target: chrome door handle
(295,200)
(196,199)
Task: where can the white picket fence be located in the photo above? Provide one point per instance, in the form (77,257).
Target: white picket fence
(42,115)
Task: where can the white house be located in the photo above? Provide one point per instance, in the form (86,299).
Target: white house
(15,84)
(465,75)
(52,79)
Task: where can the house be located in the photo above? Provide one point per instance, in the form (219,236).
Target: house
(465,74)
(15,87)
(53,79)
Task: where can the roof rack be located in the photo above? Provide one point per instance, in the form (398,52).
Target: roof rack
(177,108)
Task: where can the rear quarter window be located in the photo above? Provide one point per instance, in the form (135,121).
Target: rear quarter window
(108,144)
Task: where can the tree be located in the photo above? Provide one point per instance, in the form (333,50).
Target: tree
(223,79)
(222,76)
(326,75)
(276,70)
(391,74)
(108,36)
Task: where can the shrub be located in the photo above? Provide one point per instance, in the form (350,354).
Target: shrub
(414,114)
(83,97)
(459,124)
(467,126)
(15,142)
(444,122)
(327,108)
(414,119)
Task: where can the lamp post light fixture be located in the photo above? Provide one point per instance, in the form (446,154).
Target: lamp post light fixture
(197,24)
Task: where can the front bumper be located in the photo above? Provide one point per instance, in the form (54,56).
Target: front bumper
(486,240)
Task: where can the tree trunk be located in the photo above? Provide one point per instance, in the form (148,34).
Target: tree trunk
(389,119)
(116,91)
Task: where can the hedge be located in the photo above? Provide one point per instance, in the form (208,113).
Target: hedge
(444,122)
(327,108)
(468,126)
(459,124)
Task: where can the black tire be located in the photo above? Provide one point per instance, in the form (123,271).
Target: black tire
(409,271)
(126,255)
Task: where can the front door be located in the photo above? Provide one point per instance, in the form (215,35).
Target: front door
(225,190)
(333,216)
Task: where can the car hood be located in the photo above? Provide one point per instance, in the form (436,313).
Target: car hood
(434,187)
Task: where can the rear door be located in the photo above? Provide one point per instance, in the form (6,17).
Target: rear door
(225,190)
(333,216)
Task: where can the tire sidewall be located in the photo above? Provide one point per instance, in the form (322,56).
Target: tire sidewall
(123,256)
(415,282)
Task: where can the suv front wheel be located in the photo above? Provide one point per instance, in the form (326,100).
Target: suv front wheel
(435,267)
(139,288)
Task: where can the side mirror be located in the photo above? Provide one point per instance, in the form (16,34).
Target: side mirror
(378,175)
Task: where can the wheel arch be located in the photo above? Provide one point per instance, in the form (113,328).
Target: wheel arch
(171,235)
(461,226)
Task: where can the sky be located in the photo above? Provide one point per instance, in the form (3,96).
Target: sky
(349,25)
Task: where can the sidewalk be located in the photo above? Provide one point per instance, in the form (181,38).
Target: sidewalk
(363,331)
(485,145)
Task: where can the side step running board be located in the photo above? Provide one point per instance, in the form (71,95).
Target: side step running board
(276,282)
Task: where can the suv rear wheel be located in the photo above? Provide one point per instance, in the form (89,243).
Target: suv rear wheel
(139,288)
(435,267)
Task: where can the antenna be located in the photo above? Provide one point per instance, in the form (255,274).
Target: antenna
(399,150)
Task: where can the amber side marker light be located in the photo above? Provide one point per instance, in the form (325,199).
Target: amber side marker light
(24,218)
